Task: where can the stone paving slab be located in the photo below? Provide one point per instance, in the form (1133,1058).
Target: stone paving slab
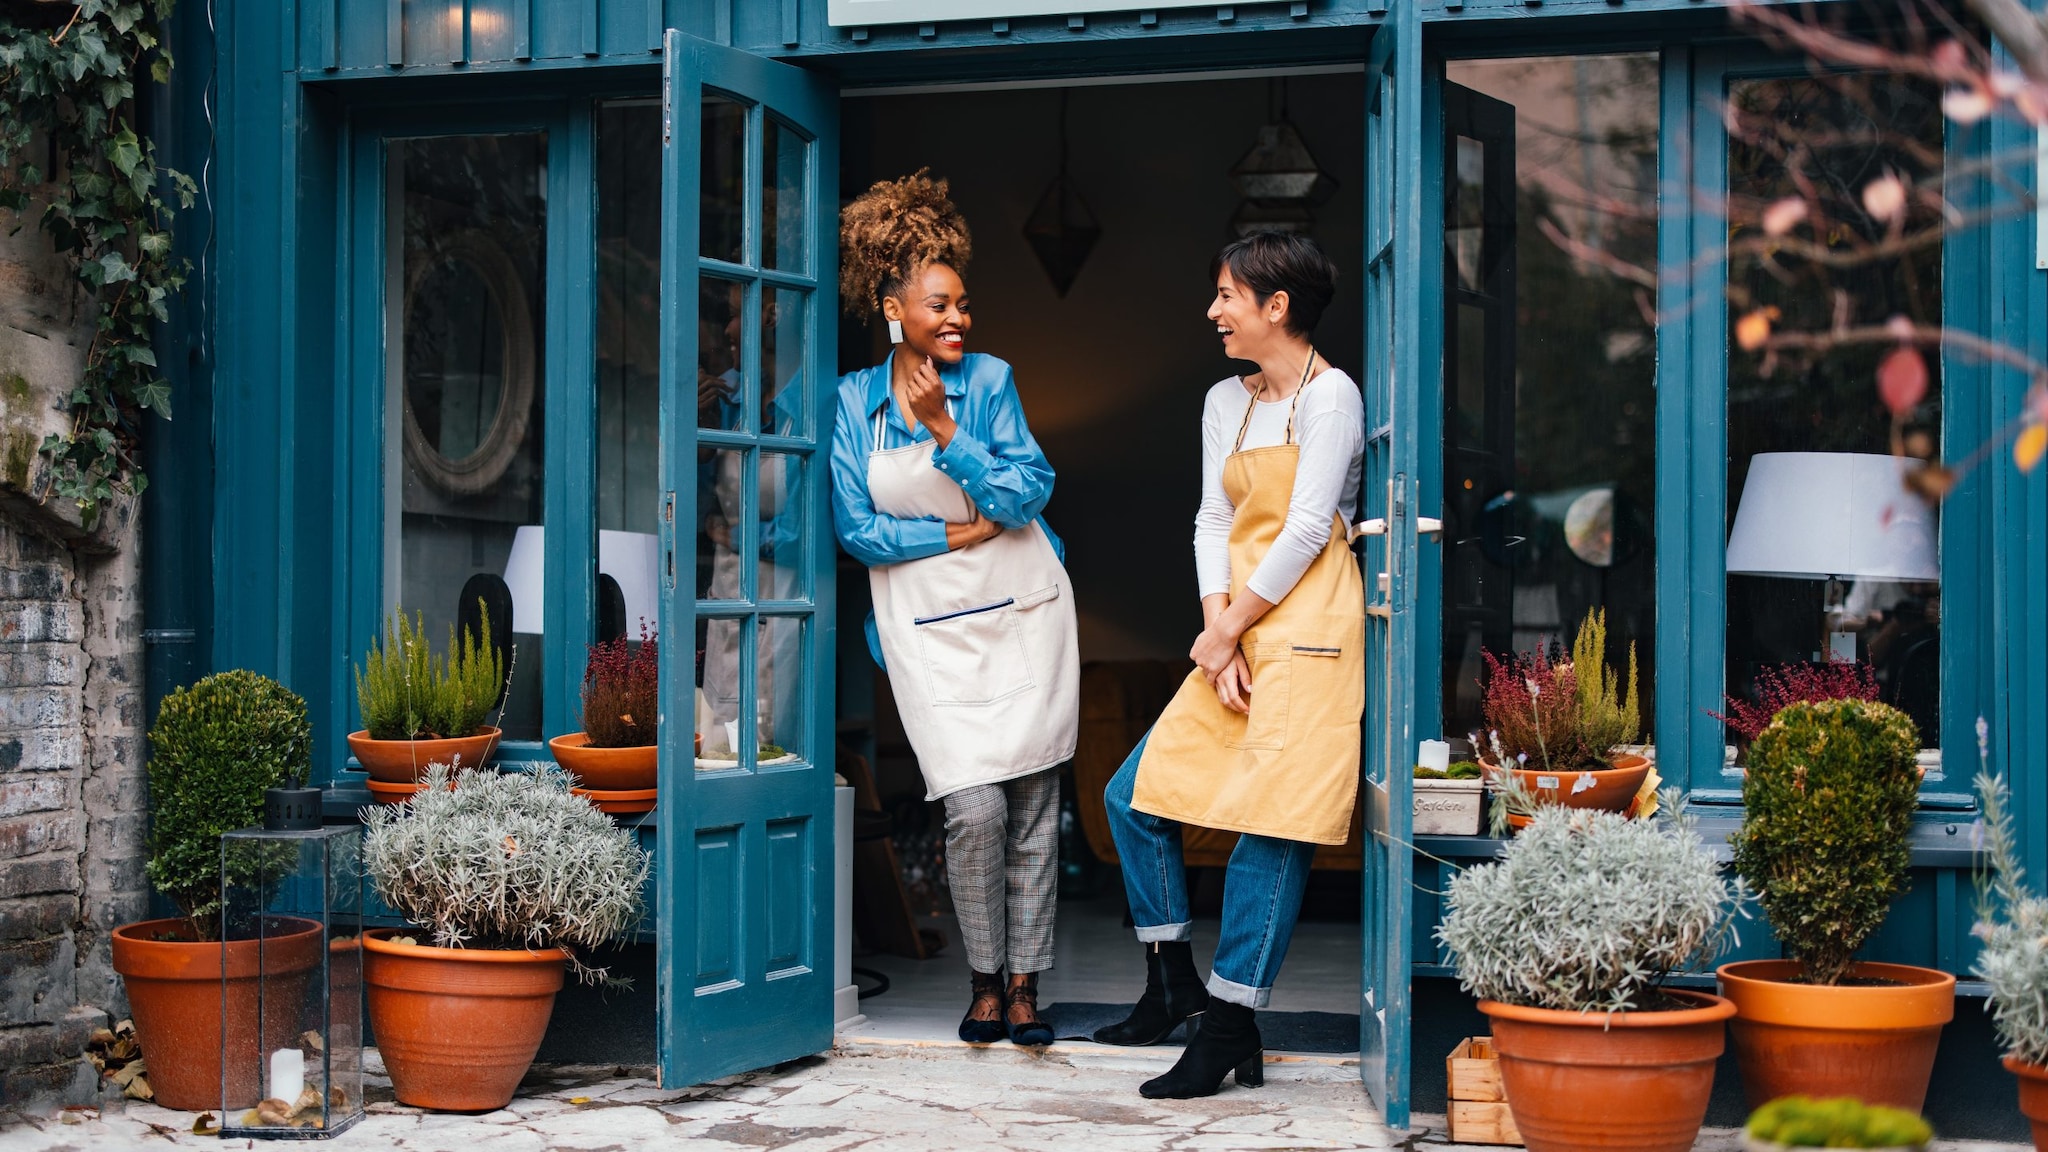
(877,1096)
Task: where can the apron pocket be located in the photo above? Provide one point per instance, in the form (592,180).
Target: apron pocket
(974,656)
(1272,667)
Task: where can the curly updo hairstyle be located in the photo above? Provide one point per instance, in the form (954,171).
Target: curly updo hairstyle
(892,231)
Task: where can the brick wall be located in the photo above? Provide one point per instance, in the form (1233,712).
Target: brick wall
(72,800)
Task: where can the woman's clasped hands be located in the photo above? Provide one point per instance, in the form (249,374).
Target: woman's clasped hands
(1221,660)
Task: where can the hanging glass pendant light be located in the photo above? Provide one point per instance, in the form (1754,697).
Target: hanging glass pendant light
(1061,229)
(1279,179)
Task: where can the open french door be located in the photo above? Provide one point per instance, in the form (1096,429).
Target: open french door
(748,324)
(1399,352)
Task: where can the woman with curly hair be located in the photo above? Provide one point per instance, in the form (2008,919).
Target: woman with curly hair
(938,486)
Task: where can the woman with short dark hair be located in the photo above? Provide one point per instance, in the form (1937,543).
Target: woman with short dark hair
(1263,737)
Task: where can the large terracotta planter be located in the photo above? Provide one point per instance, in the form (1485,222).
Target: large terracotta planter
(1873,1042)
(405,761)
(457,1027)
(2033,1098)
(605,769)
(1629,1080)
(1613,790)
(176,994)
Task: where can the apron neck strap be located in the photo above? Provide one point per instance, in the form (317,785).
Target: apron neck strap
(1253,404)
(882,417)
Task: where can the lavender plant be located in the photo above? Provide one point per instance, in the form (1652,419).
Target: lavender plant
(2013,924)
(511,860)
(1590,911)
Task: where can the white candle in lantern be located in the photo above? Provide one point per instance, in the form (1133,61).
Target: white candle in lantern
(1434,754)
(287,1074)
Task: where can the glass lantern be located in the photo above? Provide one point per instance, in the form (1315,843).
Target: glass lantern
(292,993)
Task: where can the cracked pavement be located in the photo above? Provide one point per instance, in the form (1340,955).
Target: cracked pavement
(899,1096)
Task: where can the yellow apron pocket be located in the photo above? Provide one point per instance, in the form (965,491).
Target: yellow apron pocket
(1272,684)
(975,655)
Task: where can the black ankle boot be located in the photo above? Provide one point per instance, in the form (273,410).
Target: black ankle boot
(1027,1030)
(1226,1040)
(988,986)
(1173,993)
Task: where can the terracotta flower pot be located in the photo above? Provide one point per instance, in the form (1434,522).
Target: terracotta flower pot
(1630,1080)
(2033,1098)
(605,769)
(1873,1042)
(620,803)
(458,1027)
(405,761)
(176,993)
(1612,791)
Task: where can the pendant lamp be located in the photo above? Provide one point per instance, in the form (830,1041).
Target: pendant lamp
(1279,179)
(1061,229)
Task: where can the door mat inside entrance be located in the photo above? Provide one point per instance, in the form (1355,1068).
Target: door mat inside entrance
(1331,1032)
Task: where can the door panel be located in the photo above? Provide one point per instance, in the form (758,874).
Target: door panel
(749,164)
(1394,378)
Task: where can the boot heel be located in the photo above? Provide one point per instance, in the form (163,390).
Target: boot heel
(1252,1073)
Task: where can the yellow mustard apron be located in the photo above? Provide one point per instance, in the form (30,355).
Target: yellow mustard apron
(1290,769)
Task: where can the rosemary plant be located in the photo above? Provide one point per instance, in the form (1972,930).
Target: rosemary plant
(2012,922)
(508,860)
(1590,911)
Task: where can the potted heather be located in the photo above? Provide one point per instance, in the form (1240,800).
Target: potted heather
(215,748)
(1828,798)
(1780,686)
(1794,1122)
(2012,924)
(419,709)
(1566,728)
(1579,1003)
(509,879)
(613,759)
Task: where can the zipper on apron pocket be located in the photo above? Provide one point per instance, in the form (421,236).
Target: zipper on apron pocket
(1306,650)
(923,620)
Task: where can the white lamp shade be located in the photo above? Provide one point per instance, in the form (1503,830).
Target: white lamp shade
(1821,514)
(631,558)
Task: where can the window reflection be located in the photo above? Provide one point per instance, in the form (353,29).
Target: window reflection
(1549,362)
(628,366)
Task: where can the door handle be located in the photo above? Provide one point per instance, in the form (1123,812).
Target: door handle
(1377,526)
(1428,526)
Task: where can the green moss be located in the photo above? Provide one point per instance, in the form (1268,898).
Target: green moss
(1842,1122)
(18,458)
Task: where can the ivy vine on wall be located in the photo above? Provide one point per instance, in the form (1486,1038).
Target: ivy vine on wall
(71,159)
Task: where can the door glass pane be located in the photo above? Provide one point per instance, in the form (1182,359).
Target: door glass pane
(1829,557)
(722,213)
(783,325)
(721,389)
(783,218)
(783,574)
(467,242)
(628,365)
(720,514)
(780,707)
(1549,462)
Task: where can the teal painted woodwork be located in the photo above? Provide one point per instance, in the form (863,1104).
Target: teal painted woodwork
(743,925)
(1401,377)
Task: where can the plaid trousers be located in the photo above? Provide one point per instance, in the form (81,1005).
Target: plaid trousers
(1002,860)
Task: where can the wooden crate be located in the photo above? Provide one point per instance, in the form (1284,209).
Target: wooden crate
(1477,1111)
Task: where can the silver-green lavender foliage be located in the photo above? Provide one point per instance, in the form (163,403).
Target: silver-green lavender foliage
(511,860)
(1590,911)
(2012,922)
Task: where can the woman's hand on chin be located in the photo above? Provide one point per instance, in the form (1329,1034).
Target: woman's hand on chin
(1214,650)
(1234,685)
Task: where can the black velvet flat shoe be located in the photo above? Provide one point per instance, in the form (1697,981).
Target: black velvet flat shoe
(1227,1041)
(988,997)
(1173,994)
(1027,1030)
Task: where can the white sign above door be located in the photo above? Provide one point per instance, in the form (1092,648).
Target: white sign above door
(844,13)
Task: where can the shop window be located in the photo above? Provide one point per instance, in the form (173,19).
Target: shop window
(464,404)
(628,368)
(1549,459)
(1830,559)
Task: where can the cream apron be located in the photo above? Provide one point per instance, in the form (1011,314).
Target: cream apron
(980,642)
(1290,769)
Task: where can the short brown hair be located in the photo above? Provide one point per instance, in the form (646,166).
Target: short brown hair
(1269,262)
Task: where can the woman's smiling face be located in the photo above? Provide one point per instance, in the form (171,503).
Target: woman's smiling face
(933,307)
(1245,323)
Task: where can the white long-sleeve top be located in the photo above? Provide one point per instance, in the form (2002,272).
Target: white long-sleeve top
(1329,424)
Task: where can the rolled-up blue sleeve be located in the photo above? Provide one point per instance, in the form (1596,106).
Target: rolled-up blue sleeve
(871,537)
(1006,475)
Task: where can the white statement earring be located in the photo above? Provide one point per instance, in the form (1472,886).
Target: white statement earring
(895,331)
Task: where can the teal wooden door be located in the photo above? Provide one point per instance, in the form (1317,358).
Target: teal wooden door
(748,315)
(1394,368)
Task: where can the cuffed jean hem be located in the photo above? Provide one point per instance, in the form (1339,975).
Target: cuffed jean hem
(1231,992)
(1168,933)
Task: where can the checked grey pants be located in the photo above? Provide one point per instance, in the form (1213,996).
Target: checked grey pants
(1002,860)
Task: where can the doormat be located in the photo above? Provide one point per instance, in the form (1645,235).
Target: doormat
(1319,1032)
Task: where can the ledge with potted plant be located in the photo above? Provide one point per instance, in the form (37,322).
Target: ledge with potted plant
(215,749)
(1566,729)
(509,878)
(420,710)
(2012,924)
(614,758)
(1828,800)
(1578,1000)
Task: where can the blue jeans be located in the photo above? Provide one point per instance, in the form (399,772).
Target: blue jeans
(1261,892)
